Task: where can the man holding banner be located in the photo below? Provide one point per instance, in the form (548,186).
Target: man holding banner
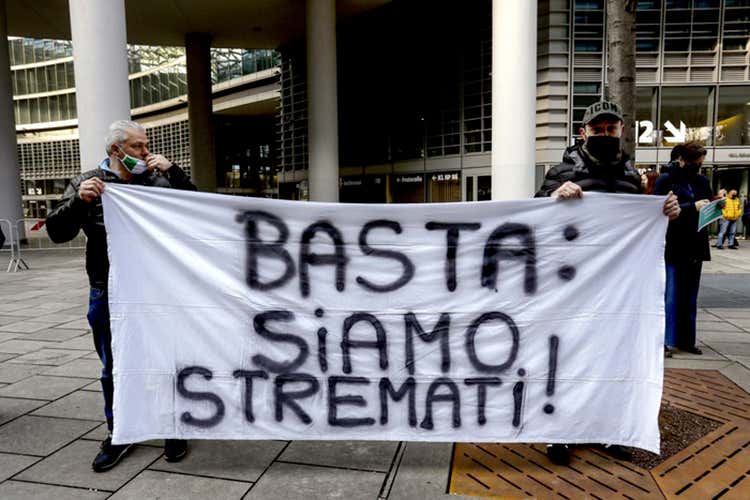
(598,164)
(128,161)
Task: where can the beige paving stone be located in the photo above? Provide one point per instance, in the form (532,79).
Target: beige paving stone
(731,348)
(19,490)
(13,372)
(696,364)
(305,482)
(24,326)
(22,346)
(4,336)
(743,360)
(11,464)
(77,324)
(165,486)
(738,374)
(31,435)
(366,455)
(83,368)
(238,460)
(423,473)
(47,356)
(71,466)
(42,387)
(80,404)
(5,320)
(11,408)
(83,343)
(54,335)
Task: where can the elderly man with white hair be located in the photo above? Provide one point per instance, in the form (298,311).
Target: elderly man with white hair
(128,161)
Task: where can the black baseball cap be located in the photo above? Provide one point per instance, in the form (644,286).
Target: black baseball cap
(602,109)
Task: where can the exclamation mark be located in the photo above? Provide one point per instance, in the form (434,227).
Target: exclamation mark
(554,342)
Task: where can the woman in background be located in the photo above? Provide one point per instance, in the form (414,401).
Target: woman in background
(686,247)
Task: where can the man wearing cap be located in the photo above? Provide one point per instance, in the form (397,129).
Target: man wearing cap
(597,164)
(128,161)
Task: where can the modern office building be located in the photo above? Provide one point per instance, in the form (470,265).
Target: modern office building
(245,96)
(410,105)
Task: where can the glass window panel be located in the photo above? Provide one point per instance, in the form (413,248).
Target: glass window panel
(647,45)
(645,111)
(51,78)
(707,4)
(704,44)
(586,88)
(676,45)
(649,4)
(733,117)
(588,45)
(689,105)
(34,110)
(21,86)
(589,4)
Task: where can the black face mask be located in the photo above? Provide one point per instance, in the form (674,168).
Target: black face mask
(604,148)
(692,168)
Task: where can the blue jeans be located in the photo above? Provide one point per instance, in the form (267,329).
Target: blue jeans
(681,303)
(726,227)
(98,317)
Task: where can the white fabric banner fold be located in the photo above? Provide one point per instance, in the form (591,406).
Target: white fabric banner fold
(537,320)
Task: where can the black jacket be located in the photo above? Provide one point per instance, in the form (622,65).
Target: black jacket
(578,167)
(684,241)
(73,214)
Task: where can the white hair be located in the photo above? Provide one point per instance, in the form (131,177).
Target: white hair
(118,133)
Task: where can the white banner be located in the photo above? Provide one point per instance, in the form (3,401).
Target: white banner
(535,320)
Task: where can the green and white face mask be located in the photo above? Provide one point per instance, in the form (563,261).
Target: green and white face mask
(133,165)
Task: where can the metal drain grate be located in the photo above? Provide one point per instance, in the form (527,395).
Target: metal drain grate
(523,471)
(716,466)
(707,393)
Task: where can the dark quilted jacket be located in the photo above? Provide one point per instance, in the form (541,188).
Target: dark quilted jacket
(577,167)
(73,214)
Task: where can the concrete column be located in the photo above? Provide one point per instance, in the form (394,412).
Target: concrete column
(10,176)
(200,110)
(514,26)
(100,62)
(322,101)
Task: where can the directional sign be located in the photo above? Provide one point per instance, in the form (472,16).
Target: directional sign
(677,135)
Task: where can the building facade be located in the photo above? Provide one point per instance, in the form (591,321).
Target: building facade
(415,105)
(44,100)
(414,99)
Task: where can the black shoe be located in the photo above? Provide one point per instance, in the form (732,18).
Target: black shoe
(558,454)
(109,455)
(175,449)
(718,248)
(668,352)
(618,452)
(733,247)
(692,350)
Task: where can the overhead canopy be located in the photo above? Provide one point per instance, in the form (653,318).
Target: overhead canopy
(232,23)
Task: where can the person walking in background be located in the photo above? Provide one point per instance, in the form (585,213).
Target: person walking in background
(686,248)
(728,222)
(746,218)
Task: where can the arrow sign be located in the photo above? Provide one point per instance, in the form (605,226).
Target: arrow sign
(677,135)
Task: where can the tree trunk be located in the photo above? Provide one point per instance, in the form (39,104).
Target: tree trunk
(621,64)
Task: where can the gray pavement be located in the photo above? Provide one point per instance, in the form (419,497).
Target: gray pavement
(51,408)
